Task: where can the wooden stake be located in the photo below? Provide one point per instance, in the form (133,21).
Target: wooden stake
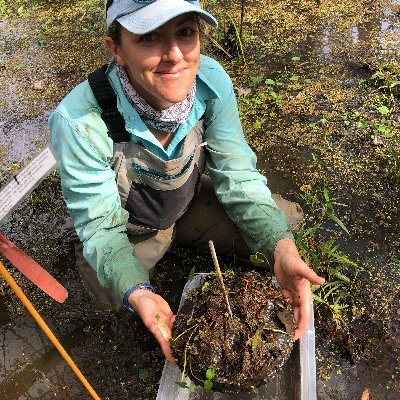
(220,279)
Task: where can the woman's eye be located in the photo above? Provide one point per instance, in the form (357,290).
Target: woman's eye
(148,37)
(186,32)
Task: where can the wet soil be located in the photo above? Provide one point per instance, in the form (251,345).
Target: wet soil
(244,349)
(317,126)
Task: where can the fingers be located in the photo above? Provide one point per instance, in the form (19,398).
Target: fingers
(312,277)
(304,271)
(298,333)
(158,319)
(161,336)
(295,276)
(300,299)
(162,333)
(287,295)
(164,329)
(301,314)
(302,317)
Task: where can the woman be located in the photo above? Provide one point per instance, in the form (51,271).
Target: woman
(131,160)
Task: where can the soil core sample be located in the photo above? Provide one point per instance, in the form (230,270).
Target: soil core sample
(242,351)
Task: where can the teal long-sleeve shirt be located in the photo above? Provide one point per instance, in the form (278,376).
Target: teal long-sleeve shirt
(83,151)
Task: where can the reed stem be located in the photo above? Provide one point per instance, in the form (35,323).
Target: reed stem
(220,279)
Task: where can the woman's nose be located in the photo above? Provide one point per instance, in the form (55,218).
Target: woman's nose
(172,52)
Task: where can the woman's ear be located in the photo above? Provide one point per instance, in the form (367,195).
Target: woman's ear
(115,50)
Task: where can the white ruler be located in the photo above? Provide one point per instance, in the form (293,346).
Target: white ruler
(25,181)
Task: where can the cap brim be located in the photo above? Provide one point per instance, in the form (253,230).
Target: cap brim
(151,17)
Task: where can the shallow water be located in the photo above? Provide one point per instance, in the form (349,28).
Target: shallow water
(115,353)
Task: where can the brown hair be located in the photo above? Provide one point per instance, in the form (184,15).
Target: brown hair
(114,32)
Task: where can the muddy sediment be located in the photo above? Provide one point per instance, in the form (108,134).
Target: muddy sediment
(244,349)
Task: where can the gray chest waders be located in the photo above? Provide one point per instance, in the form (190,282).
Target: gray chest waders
(156,193)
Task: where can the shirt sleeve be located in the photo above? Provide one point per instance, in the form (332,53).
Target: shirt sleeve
(83,154)
(238,185)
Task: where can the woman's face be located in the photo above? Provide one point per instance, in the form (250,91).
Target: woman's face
(162,64)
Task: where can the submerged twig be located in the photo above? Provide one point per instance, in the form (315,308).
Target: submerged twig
(185,356)
(218,46)
(241,20)
(187,330)
(268,328)
(220,279)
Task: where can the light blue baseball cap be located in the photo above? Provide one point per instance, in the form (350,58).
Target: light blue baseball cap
(143,16)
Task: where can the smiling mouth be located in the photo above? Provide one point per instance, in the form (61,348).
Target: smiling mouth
(172,73)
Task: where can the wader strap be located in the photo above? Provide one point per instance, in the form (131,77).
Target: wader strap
(107,100)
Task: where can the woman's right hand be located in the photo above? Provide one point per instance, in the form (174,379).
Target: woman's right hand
(156,316)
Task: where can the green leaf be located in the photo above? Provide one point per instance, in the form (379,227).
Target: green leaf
(294,78)
(255,259)
(21,10)
(269,82)
(339,222)
(183,385)
(257,338)
(3,7)
(257,124)
(255,80)
(191,274)
(295,58)
(386,130)
(205,287)
(341,276)
(210,374)
(208,385)
(273,94)
(326,195)
(342,259)
(172,342)
(319,299)
(143,374)
(389,134)
(383,110)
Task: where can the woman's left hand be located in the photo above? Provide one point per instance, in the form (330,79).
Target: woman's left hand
(294,276)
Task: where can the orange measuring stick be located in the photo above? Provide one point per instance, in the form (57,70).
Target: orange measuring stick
(10,280)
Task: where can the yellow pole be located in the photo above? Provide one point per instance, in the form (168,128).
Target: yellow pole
(10,280)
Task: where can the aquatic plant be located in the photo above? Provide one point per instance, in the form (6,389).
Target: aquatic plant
(318,245)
